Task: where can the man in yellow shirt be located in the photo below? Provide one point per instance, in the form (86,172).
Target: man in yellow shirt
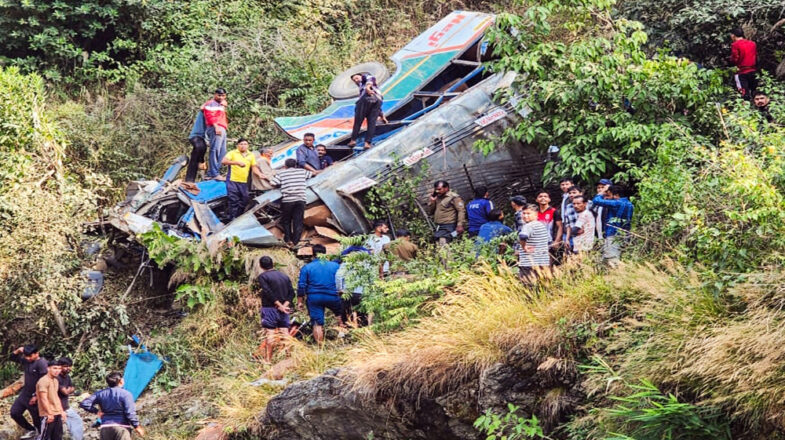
(241,162)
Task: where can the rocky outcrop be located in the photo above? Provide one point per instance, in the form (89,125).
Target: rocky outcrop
(327,407)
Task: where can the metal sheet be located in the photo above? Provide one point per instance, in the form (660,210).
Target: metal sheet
(247,229)
(416,64)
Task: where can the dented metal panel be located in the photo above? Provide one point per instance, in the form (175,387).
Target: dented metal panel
(245,228)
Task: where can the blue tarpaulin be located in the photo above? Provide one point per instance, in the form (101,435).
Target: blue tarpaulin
(209,190)
(140,370)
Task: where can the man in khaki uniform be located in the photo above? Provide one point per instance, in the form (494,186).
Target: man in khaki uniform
(49,407)
(447,209)
(264,163)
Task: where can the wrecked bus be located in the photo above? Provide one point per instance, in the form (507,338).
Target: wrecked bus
(440,101)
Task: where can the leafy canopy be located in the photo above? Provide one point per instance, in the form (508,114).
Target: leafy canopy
(592,90)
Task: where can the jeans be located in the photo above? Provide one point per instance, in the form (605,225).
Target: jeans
(74,423)
(197,155)
(368,109)
(21,404)
(217,151)
(292,221)
(237,192)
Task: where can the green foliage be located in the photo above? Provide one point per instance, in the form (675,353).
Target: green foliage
(722,204)
(601,99)
(646,413)
(700,29)
(191,257)
(195,295)
(401,302)
(509,426)
(397,199)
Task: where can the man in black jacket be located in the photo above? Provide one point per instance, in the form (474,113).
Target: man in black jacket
(277,296)
(35,367)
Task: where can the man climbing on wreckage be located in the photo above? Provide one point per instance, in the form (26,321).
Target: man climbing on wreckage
(367,108)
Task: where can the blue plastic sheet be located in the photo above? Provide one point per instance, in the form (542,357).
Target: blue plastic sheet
(209,190)
(140,370)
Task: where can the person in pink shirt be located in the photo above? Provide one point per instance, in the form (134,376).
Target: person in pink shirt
(214,112)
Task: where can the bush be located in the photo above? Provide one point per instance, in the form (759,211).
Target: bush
(700,29)
(600,98)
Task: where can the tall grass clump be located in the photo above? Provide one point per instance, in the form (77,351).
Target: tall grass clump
(489,314)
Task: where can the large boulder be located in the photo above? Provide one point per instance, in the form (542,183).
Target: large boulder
(328,407)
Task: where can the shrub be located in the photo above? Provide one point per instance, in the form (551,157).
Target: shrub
(509,426)
(700,30)
(600,98)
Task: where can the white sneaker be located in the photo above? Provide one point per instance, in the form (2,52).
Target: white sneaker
(29,434)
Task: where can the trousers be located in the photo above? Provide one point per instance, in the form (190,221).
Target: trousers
(53,430)
(217,151)
(746,83)
(197,156)
(74,423)
(292,221)
(20,405)
(366,108)
(237,193)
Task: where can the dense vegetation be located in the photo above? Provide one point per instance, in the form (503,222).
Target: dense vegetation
(682,339)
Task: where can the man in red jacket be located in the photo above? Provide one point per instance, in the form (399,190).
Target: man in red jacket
(744,55)
(215,119)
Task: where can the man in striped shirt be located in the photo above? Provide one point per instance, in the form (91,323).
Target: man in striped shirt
(533,256)
(292,182)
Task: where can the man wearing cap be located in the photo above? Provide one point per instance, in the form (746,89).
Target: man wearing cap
(35,367)
(72,418)
(447,209)
(214,111)
(49,407)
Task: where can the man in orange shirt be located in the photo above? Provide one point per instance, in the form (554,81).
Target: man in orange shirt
(49,407)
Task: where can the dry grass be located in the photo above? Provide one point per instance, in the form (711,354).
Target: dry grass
(491,315)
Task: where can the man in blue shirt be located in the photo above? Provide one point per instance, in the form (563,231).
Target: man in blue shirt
(317,285)
(494,228)
(324,159)
(116,408)
(307,157)
(478,210)
(620,211)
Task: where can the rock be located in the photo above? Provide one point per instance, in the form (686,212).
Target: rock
(327,407)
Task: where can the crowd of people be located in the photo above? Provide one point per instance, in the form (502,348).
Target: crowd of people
(321,286)
(546,234)
(253,170)
(45,394)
